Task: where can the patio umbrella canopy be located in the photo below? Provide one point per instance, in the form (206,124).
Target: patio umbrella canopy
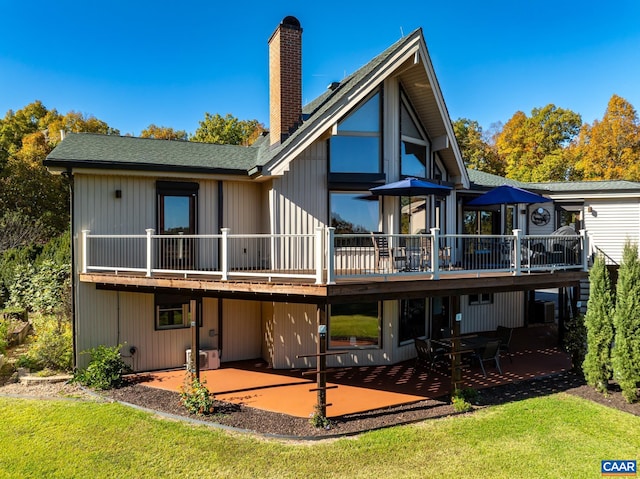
(506,194)
(410,187)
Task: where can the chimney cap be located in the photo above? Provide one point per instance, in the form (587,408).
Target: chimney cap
(291,22)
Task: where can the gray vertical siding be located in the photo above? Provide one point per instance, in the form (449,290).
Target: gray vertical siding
(507,309)
(299,198)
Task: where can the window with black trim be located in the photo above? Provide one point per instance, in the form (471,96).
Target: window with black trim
(484,298)
(414,145)
(177,213)
(172,311)
(355,325)
(356,146)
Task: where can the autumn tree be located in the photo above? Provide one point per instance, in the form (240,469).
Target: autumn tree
(29,194)
(163,133)
(227,130)
(610,149)
(534,148)
(477,151)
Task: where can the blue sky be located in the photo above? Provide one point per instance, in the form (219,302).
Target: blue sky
(133,63)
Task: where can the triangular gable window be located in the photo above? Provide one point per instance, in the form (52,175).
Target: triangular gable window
(355,146)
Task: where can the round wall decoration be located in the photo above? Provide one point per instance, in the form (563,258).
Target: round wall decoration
(540,217)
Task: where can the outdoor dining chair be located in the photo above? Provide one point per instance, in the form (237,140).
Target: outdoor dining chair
(427,354)
(504,334)
(385,254)
(490,352)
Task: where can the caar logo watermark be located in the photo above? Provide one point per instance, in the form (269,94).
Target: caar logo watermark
(618,468)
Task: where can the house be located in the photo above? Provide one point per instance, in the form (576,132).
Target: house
(278,250)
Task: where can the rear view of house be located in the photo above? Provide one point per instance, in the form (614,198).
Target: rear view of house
(270,250)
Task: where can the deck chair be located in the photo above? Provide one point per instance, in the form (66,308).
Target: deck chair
(427,354)
(491,352)
(504,334)
(386,254)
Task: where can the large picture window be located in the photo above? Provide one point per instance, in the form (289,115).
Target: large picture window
(414,151)
(355,325)
(351,214)
(355,148)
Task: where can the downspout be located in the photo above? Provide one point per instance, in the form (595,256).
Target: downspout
(72,226)
(220,225)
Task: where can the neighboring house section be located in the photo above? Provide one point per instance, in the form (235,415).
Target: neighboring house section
(278,250)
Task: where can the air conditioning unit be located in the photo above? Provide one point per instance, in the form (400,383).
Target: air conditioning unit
(208,358)
(549,312)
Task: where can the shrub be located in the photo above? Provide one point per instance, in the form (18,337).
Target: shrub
(462,399)
(4,335)
(319,420)
(52,343)
(626,351)
(105,370)
(195,396)
(575,341)
(599,327)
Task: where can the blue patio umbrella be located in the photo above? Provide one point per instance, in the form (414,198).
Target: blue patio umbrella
(410,187)
(508,195)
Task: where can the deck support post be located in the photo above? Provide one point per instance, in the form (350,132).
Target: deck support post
(456,363)
(194,366)
(321,362)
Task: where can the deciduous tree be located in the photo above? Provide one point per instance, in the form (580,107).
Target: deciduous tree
(227,130)
(163,133)
(477,151)
(533,148)
(610,149)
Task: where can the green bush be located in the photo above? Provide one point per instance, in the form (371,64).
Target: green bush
(462,399)
(4,335)
(52,343)
(318,420)
(105,370)
(626,351)
(599,328)
(195,396)
(575,341)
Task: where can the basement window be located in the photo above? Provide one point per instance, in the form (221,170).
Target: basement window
(172,312)
(484,298)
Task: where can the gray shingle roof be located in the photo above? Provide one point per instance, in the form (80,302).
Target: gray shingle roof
(482,180)
(123,152)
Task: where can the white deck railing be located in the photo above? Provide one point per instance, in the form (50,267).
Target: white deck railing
(325,256)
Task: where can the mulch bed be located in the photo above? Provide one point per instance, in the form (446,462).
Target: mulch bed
(281,425)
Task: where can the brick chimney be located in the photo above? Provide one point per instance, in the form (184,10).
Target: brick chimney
(285,79)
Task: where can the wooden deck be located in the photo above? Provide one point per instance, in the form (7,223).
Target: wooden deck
(344,290)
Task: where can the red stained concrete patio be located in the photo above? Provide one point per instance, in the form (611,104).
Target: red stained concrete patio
(254,384)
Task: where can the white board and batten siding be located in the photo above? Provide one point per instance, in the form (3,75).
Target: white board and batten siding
(298,199)
(610,223)
(507,310)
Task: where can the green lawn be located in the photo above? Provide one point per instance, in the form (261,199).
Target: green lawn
(556,436)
